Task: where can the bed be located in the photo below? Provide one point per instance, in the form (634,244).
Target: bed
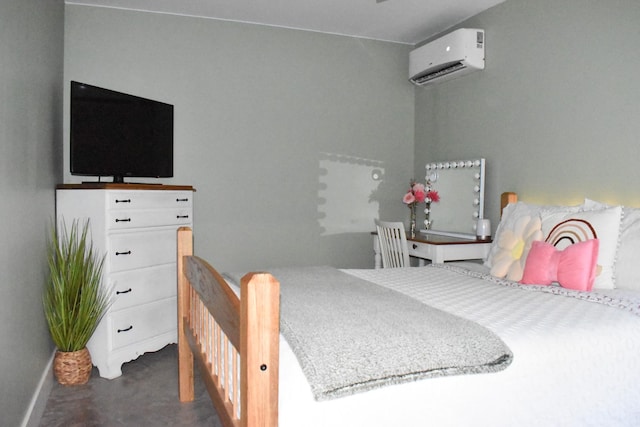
(548,352)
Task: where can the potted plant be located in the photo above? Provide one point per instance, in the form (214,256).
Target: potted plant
(74,300)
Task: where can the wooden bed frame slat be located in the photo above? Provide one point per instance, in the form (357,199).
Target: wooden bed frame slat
(224,409)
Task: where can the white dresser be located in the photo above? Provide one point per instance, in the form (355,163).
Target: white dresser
(135,226)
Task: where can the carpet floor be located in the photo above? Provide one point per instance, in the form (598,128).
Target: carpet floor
(145,395)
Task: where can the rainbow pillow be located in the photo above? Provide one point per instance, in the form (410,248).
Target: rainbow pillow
(563,230)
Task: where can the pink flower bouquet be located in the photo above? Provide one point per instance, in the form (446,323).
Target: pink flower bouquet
(416,194)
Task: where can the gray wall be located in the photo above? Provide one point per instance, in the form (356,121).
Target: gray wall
(279,130)
(555,112)
(31,50)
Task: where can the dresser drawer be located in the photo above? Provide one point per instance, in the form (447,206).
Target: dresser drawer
(128,251)
(122,219)
(142,286)
(149,199)
(422,250)
(143,322)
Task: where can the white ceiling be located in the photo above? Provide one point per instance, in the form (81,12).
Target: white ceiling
(403,21)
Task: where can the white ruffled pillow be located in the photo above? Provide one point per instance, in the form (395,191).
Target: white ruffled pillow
(626,269)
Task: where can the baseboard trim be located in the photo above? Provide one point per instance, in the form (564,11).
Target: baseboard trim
(41,395)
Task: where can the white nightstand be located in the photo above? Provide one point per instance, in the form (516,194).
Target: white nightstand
(439,249)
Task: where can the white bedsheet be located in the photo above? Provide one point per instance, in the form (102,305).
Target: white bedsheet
(575,364)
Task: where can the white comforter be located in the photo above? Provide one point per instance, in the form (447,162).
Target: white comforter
(575,364)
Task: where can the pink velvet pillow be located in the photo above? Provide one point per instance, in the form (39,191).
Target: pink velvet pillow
(573,268)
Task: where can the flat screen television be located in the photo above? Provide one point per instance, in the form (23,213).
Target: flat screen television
(113,134)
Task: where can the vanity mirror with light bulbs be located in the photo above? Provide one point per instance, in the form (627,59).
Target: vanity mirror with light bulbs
(453,234)
(460,185)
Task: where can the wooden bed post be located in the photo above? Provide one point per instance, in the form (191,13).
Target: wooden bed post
(185,357)
(506,198)
(259,344)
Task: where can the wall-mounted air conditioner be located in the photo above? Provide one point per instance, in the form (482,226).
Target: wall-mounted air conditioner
(455,54)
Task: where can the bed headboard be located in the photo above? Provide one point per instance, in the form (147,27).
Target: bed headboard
(506,198)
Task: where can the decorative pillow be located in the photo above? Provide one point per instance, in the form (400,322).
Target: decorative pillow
(626,269)
(562,230)
(573,268)
(513,246)
(510,216)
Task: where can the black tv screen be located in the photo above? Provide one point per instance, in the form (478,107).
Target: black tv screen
(118,135)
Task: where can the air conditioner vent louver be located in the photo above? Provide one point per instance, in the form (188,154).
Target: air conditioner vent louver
(455,54)
(439,73)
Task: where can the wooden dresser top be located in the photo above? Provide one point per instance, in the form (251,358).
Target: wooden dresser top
(123,186)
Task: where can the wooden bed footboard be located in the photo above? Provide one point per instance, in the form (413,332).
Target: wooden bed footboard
(234,341)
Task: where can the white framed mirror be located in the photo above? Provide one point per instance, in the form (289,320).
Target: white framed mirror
(460,186)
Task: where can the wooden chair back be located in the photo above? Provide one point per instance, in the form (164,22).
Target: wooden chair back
(393,244)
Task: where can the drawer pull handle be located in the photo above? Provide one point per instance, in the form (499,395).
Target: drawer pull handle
(415,246)
(182,216)
(125,329)
(123,200)
(182,200)
(123,292)
(123,253)
(123,220)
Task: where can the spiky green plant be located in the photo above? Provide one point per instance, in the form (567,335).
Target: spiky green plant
(74,301)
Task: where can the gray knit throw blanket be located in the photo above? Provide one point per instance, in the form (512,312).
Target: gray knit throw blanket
(351,335)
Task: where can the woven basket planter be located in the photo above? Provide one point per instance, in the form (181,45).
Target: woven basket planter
(72,367)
